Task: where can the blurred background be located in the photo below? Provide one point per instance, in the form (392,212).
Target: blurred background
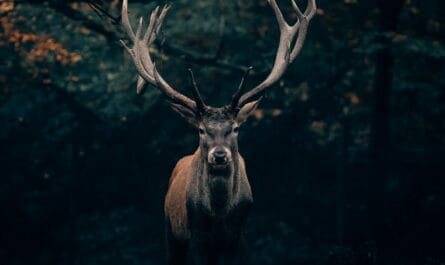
(345,155)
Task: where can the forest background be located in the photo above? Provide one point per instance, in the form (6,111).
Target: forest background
(345,155)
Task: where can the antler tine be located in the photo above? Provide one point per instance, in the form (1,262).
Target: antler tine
(140,54)
(240,90)
(153,21)
(291,41)
(197,96)
(301,26)
(126,21)
(279,15)
(311,9)
(149,37)
(164,12)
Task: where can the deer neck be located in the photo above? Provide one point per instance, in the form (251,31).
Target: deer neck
(218,188)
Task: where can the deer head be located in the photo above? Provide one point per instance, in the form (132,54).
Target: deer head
(218,127)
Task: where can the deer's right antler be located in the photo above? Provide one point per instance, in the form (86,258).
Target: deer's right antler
(146,68)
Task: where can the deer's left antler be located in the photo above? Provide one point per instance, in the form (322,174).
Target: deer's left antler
(291,41)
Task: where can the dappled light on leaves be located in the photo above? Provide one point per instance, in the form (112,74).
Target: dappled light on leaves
(35,48)
(44,47)
(260,114)
(6,7)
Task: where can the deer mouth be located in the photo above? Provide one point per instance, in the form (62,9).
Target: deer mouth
(219,169)
(219,164)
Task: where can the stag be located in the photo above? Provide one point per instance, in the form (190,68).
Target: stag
(209,196)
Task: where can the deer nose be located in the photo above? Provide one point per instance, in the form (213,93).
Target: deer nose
(220,156)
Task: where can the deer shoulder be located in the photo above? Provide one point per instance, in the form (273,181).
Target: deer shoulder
(175,200)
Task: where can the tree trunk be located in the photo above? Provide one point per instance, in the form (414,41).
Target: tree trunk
(380,148)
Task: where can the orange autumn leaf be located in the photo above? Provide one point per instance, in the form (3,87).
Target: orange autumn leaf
(42,48)
(6,7)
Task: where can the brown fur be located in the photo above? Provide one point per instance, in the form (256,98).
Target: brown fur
(175,201)
(175,209)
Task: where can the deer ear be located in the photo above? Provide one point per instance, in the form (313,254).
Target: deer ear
(189,115)
(247,110)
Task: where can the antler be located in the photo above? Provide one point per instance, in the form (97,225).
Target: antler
(198,99)
(140,53)
(235,98)
(288,49)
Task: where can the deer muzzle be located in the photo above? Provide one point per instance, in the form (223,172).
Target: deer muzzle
(219,157)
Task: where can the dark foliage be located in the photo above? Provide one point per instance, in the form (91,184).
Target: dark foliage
(345,155)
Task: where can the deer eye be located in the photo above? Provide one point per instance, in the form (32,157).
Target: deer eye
(201,131)
(235,130)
